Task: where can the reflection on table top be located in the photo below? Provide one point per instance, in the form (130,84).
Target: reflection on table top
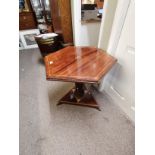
(78,64)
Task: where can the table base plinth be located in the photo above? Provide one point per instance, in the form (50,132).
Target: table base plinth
(79,96)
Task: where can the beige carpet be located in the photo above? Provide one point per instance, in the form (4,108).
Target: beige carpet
(46,129)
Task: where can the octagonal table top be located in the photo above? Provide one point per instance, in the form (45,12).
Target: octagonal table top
(78,64)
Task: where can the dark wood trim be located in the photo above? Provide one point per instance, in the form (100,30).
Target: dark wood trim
(62,20)
(80,96)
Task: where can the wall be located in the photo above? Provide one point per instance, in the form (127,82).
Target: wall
(85,34)
(105,32)
(119,82)
(106,25)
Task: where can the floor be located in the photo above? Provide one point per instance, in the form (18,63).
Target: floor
(47,129)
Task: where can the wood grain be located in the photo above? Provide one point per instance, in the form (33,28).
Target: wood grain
(61,18)
(27,21)
(56,18)
(78,64)
(66,20)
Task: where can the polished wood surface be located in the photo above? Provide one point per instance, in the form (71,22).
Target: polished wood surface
(66,20)
(99,4)
(27,20)
(78,64)
(61,18)
(56,18)
(80,96)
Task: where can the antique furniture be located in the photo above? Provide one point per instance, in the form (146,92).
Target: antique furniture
(43,14)
(27,18)
(99,3)
(27,21)
(80,65)
(61,19)
(48,43)
(91,10)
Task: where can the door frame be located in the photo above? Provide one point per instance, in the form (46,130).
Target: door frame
(116,30)
(118,23)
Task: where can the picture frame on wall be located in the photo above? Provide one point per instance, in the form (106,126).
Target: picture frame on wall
(27,38)
(21,46)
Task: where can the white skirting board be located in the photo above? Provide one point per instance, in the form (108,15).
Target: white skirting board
(121,102)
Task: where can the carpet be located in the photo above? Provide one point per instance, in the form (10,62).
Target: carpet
(47,129)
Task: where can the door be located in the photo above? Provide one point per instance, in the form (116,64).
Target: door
(122,81)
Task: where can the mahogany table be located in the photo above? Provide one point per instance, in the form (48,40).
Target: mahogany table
(80,65)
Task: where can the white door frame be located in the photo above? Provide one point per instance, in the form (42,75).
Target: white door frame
(117,25)
(118,22)
(116,30)
(106,23)
(119,19)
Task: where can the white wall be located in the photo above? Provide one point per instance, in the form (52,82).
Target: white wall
(107,22)
(85,34)
(119,82)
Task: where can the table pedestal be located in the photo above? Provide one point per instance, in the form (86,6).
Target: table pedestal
(80,96)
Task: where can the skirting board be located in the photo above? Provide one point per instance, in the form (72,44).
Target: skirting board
(120,101)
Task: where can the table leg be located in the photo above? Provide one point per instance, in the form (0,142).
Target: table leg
(80,96)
